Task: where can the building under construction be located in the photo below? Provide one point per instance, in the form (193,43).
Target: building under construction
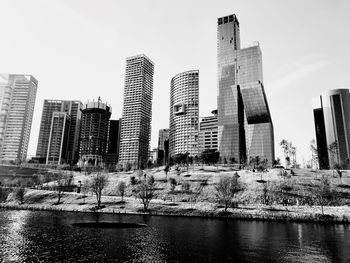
(94,133)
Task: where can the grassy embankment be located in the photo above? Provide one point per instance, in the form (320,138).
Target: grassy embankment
(200,199)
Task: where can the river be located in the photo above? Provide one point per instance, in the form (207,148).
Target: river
(41,236)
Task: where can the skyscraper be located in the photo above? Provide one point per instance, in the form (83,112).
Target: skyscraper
(137,111)
(113,142)
(17,100)
(94,133)
(163,146)
(53,111)
(59,138)
(245,127)
(332,126)
(184,111)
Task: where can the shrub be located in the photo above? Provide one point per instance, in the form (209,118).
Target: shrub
(150,179)
(185,187)
(133,180)
(173,184)
(19,194)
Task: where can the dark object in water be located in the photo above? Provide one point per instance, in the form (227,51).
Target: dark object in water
(108,225)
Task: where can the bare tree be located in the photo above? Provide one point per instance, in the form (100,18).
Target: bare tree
(226,189)
(333,149)
(285,146)
(121,187)
(262,168)
(61,182)
(323,191)
(145,191)
(97,184)
(314,154)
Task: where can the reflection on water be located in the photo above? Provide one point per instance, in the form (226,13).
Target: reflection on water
(32,236)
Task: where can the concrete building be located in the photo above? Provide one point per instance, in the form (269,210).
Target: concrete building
(245,127)
(113,142)
(17,100)
(163,146)
(137,111)
(208,132)
(153,155)
(332,125)
(184,111)
(94,133)
(56,113)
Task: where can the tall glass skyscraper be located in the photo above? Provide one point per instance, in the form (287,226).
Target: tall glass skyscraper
(332,126)
(17,100)
(184,112)
(245,127)
(58,140)
(137,110)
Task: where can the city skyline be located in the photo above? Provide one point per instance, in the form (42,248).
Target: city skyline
(90,50)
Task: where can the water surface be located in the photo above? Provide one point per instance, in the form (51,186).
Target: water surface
(34,236)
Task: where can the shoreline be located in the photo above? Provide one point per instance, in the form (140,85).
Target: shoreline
(260,213)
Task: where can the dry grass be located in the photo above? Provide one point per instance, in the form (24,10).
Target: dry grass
(200,199)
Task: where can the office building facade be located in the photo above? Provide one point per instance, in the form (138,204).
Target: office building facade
(208,133)
(137,111)
(245,127)
(59,138)
(163,146)
(332,126)
(184,112)
(113,142)
(95,117)
(53,111)
(17,101)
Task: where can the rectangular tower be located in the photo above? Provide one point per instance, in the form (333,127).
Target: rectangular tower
(332,125)
(208,133)
(113,142)
(231,136)
(163,146)
(17,100)
(73,109)
(59,138)
(245,127)
(137,111)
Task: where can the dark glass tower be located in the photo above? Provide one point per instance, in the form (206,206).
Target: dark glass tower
(332,126)
(245,127)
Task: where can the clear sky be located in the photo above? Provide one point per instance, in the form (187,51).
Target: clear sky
(77,49)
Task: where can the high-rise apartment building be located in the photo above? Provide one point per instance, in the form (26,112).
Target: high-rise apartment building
(137,111)
(332,126)
(184,112)
(245,127)
(55,114)
(17,100)
(94,133)
(208,132)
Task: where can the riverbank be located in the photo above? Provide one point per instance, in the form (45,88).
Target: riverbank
(72,202)
(192,193)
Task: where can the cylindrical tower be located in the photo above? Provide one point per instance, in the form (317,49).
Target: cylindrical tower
(94,132)
(184,111)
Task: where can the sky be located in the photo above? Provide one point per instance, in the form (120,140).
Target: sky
(76,49)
